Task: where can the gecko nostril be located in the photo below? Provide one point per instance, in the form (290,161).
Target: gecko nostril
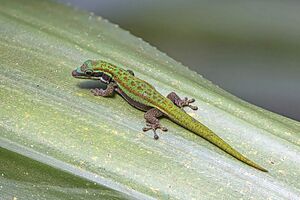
(74,73)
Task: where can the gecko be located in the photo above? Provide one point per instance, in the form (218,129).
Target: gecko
(143,96)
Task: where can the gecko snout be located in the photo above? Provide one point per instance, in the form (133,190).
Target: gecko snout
(74,73)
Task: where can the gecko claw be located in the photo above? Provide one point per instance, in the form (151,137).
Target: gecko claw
(97,92)
(190,100)
(186,102)
(154,127)
(193,107)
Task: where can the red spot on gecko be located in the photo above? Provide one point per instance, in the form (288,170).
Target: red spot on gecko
(132,83)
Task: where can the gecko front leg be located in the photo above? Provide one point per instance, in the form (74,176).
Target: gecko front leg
(152,115)
(109,91)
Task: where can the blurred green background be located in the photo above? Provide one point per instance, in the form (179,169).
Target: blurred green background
(249,48)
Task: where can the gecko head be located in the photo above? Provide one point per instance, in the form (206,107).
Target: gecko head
(91,70)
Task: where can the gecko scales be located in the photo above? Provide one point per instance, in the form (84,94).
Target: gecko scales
(145,97)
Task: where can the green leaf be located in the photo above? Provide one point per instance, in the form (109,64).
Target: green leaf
(23,178)
(54,134)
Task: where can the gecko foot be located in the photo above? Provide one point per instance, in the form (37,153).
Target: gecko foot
(181,102)
(97,92)
(187,102)
(154,127)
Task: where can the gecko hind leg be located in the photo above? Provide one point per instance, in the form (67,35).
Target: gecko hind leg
(152,122)
(152,115)
(181,102)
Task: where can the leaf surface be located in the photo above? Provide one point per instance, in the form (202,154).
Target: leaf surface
(50,117)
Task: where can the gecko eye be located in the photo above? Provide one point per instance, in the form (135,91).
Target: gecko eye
(88,72)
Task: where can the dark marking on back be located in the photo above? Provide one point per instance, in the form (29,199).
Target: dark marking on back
(132,102)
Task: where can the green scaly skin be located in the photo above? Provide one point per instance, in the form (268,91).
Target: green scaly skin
(145,94)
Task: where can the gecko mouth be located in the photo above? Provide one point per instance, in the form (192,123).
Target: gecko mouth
(76,74)
(95,76)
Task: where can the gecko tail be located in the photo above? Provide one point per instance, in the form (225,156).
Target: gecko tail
(227,148)
(210,136)
(185,120)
